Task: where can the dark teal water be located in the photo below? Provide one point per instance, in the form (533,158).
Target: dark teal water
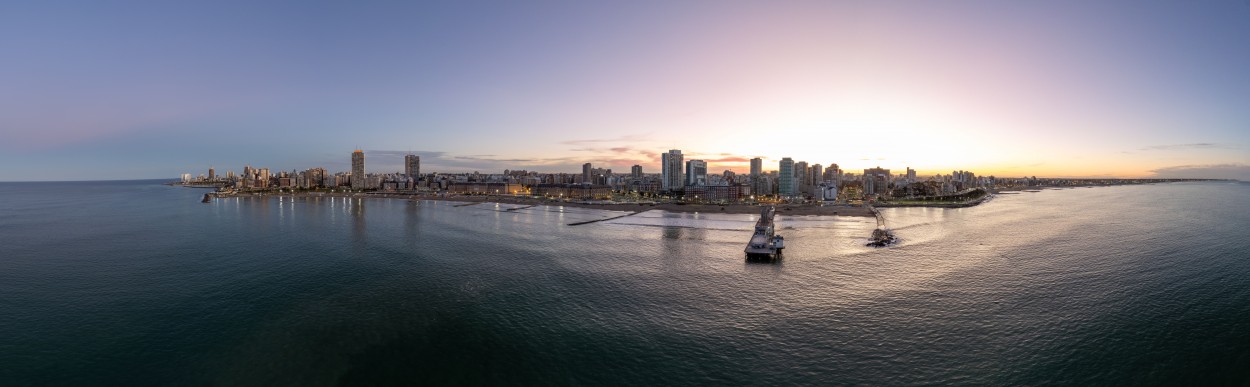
(135,283)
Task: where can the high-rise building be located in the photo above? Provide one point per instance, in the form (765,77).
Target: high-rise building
(696,172)
(412,166)
(358,169)
(785,177)
(262,178)
(876,181)
(635,171)
(212,174)
(815,178)
(911,175)
(801,174)
(670,164)
(587,173)
(833,174)
(757,167)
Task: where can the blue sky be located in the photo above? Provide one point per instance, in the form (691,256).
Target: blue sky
(116,90)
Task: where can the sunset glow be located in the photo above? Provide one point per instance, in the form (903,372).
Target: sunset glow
(1124,89)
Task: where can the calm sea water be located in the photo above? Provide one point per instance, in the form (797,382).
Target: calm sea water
(135,283)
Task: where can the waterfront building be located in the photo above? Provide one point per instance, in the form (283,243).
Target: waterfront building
(671,173)
(718,193)
(801,186)
(587,173)
(412,166)
(644,186)
(573,191)
(597,175)
(785,177)
(212,174)
(816,177)
(483,188)
(696,172)
(829,191)
(373,181)
(833,173)
(635,171)
(876,181)
(358,169)
(262,178)
(766,185)
(313,178)
(757,167)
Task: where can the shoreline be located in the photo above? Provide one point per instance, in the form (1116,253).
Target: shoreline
(970,203)
(750,209)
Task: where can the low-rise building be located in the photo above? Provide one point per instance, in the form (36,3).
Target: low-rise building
(718,193)
(480,188)
(574,191)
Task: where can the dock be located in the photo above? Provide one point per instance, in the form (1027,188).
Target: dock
(764,243)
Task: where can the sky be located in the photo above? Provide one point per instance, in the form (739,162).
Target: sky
(97,90)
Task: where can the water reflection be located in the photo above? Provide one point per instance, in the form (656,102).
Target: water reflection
(356,208)
(412,224)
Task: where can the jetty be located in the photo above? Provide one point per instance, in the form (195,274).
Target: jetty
(882,236)
(764,243)
(600,220)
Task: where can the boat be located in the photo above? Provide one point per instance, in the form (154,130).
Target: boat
(764,243)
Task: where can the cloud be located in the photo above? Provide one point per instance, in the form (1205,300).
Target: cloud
(631,138)
(488,159)
(1034,165)
(1197,145)
(1209,171)
(732,159)
(384,161)
(619,158)
(388,154)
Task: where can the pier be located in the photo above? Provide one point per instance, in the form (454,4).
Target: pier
(764,244)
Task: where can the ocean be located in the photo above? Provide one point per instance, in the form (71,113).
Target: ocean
(137,283)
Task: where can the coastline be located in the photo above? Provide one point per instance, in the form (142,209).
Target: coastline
(970,203)
(782,209)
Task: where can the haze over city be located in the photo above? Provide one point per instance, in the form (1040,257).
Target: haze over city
(129,90)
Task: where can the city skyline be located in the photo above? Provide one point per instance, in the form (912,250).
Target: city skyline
(1062,89)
